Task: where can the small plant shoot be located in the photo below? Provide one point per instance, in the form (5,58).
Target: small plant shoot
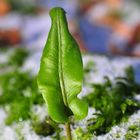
(61,72)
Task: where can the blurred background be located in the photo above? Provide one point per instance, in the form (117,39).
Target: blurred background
(99,26)
(105,27)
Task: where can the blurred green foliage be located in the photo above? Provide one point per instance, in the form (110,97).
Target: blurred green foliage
(23,6)
(132,132)
(15,59)
(113,101)
(137,1)
(19,91)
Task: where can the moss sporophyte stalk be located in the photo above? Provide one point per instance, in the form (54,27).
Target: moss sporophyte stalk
(61,73)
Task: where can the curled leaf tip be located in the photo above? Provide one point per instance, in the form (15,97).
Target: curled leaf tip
(56,9)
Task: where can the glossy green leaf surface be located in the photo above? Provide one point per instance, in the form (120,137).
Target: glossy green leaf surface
(61,71)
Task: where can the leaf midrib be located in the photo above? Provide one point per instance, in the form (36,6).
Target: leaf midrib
(60,64)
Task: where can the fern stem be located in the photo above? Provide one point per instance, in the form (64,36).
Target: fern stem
(68,131)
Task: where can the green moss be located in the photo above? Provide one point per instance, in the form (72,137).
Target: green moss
(114,101)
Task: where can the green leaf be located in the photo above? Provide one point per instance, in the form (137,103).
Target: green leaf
(123,107)
(61,71)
